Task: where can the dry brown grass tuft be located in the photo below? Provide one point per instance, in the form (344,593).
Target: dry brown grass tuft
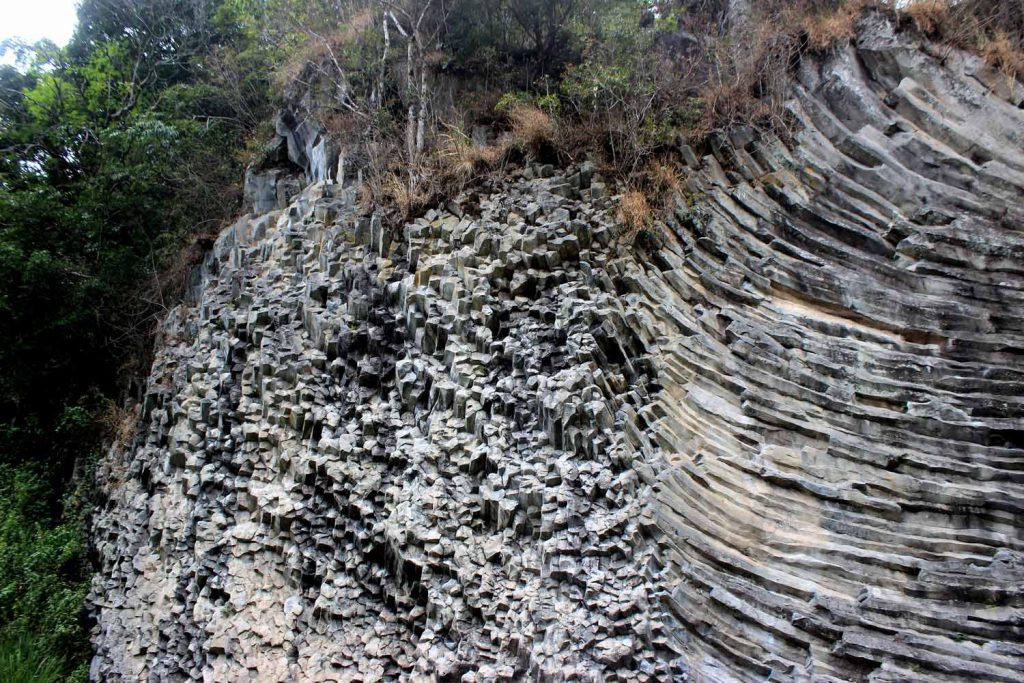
(323,51)
(733,103)
(931,17)
(993,30)
(1002,53)
(532,128)
(664,179)
(401,189)
(394,190)
(833,28)
(119,423)
(635,212)
(459,160)
(459,157)
(366,198)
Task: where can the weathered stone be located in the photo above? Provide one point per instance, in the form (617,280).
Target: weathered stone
(777,440)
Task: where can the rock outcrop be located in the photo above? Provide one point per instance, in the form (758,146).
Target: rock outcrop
(843,408)
(780,437)
(365,459)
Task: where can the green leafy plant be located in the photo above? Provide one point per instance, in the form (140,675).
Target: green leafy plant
(23,660)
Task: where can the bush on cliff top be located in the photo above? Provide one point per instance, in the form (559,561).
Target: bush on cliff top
(620,80)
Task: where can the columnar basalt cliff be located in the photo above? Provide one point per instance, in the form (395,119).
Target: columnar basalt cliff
(780,437)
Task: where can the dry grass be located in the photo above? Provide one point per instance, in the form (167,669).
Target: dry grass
(459,159)
(737,79)
(1003,54)
(402,190)
(664,177)
(636,213)
(734,103)
(930,17)
(662,181)
(749,86)
(322,55)
(366,198)
(532,128)
(833,28)
(119,422)
(394,191)
(459,156)
(985,28)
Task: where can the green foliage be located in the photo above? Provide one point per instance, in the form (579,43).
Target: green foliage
(550,103)
(592,86)
(625,76)
(517,43)
(636,85)
(43,578)
(23,660)
(511,100)
(112,161)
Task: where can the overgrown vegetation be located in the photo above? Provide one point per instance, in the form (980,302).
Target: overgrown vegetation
(621,82)
(113,178)
(111,169)
(992,28)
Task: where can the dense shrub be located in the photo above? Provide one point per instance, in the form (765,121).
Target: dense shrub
(992,28)
(111,164)
(24,660)
(43,579)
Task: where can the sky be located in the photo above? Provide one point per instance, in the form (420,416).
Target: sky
(36,19)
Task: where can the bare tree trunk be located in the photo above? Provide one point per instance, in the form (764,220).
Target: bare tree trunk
(378,96)
(421,124)
(410,85)
(414,14)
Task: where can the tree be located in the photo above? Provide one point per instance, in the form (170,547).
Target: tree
(154,42)
(545,23)
(111,163)
(420,23)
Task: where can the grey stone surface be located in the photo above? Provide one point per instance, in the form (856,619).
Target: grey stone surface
(267,190)
(367,459)
(842,419)
(309,148)
(779,438)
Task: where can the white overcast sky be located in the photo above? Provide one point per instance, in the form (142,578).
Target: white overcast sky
(36,19)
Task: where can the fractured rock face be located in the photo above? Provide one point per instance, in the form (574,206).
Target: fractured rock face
(354,472)
(843,411)
(778,439)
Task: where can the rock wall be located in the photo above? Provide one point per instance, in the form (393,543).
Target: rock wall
(842,405)
(366,459)
(778,438)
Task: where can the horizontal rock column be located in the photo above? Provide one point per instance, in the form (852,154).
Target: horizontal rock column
(843,410)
